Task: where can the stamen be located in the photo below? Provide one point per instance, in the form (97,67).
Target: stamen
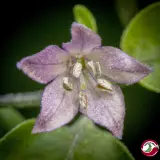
(104,85)
(66,85)
(77,69)
(98,69)
(83,99)
(91,66)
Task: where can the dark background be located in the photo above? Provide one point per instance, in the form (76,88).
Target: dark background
(27,27)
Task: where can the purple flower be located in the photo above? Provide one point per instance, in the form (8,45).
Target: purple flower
(81,77)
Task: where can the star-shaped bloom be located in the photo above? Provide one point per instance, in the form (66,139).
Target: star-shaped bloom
(82,76)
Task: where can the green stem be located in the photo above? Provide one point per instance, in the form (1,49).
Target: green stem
(21,100)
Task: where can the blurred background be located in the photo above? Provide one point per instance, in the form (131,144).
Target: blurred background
(27,27)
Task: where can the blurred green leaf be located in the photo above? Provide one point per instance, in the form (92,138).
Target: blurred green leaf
(81,141)
(84,16)
(141,39)
(10,117)
(141,106)
(126,10)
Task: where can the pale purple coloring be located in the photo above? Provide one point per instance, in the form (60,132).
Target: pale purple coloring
(103,103)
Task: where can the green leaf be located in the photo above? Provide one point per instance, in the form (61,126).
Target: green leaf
(10,117)
(80,141)
(126,10)
(141,39)
(84,16)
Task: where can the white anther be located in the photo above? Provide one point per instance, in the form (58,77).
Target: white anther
(90,65)
(77,69)
(83,100)
(98,69)
(104,85)
(66,85)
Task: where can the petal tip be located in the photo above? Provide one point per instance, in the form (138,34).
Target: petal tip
(18,65)
(76,26)
(118,134)
(147,71)
(38,129)
(119,137)
(150,70)
(22,63)
(74,23)
(34,131)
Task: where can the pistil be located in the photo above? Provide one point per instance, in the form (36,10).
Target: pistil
(83,100)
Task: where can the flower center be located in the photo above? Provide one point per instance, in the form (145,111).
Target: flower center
(78,68)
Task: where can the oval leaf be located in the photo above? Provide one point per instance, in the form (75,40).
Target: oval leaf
(126,10)
(80,141)
(84,16)
(141,39)
(10,117)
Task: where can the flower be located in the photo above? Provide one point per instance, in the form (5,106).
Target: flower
(81,77)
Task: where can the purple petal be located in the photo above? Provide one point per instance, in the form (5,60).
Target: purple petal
(106,109)
(83,40)
(45,65)
(58,107)
(118,66)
